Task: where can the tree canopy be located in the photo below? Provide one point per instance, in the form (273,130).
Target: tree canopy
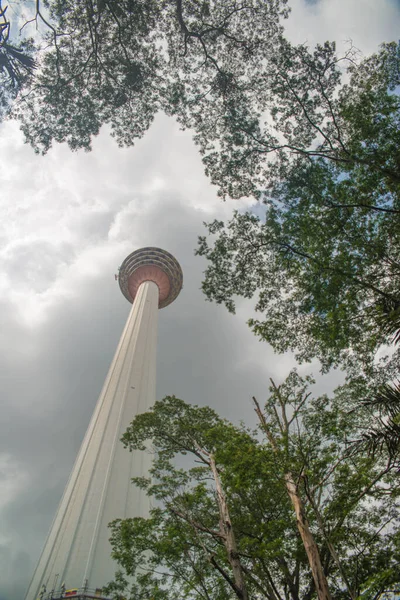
(323,277)
(202,462)
(121,62)
(323,257)
(256,103)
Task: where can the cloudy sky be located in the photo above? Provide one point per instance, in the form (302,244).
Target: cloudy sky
(66,222)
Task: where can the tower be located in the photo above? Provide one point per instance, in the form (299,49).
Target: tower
(76,555)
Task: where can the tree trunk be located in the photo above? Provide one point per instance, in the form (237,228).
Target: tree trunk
(228,533)
(331,547)
(311,548)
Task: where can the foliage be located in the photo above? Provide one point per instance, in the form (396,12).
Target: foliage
(16,63)
(320,278)
(121,62)
(325,259)
(256,103)
(354,126)
(384,434)
(178,552)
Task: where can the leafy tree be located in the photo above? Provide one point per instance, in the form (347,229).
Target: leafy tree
(16,63)
(256,104)
(181,550)
(324,260)
(284,422)
(324,278)
(121,62)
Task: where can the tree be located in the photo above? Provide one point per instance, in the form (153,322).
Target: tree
(16,63)
(325,278)
(181,550)
(256,103)
(121,62)
(324,260)
(311,548)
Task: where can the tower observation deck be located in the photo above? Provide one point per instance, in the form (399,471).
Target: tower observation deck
(76,558)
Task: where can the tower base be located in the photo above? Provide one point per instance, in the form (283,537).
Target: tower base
(74,594)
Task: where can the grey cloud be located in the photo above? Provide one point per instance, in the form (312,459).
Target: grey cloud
(32,265)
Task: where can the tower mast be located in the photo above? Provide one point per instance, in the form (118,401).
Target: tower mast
(76,558)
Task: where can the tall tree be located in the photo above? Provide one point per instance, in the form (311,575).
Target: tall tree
(292,487)
(324,257)
(181,551)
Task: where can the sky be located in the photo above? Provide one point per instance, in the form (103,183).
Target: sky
(67,221)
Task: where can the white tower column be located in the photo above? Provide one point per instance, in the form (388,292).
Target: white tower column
(100,489)
(77,553)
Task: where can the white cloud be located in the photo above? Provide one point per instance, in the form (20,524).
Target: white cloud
(367,23)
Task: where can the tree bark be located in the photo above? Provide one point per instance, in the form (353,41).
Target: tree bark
(331,547)
(311,548)
(229,536)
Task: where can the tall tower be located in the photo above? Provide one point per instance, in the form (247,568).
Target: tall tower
(76,555)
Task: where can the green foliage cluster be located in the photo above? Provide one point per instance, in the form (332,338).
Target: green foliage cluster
(350,497)
(121,62)
(324,259)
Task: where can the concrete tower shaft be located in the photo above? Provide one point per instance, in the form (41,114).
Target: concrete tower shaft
(77,552)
